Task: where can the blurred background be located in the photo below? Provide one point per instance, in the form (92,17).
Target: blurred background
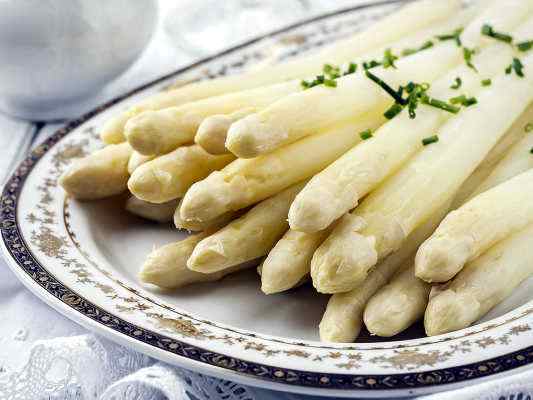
(192,29)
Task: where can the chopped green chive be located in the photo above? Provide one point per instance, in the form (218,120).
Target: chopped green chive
(525,46)
(455,35)
(470,102)
(393,111)
(457,84)
(489,31)
(365,135)
(429,140)
(329,69)
(332,71)
(393,93)
(529,127)
(467,54)
(517,67)
(415,92)
(388,59)
(319,80)
(486,82)
(352,69)
(371,64)
(441,105)
(425,46)
(458,99)
(531,151)
(463,100)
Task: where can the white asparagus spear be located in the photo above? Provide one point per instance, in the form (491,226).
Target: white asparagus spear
(343,318)
(155,212)
(380,225)
(398,305)
(136,160)
(481,285)
(212,132)
(338,188)
(476,226)
(196,226)
(288,119)
(289,262)
(103,173)
(166,266)
(161,131)
(397,25)
(404,300)
(519,159)
(473,184)
(245,182)
(168,177)
(251,236)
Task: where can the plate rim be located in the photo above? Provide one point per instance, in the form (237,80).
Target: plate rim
(307,382)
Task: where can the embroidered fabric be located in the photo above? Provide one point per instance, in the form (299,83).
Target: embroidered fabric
(86,367)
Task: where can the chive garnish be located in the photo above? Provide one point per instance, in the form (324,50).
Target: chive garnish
(489,31)
(531,151)
(463,100)
(455,35)
(371,64)
(429,140)
(330,69)
(416,93)
(458,100)
(393,93)
(457,84)
(525,46)
(352,69)
(393,111)
(331,73)
(425,46)
(441,105)
(319,80)
(388,59)
(467,54)
(365,135)
(517,67)
(486,82)
(529,127)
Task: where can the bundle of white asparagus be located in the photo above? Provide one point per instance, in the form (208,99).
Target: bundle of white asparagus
(341,166)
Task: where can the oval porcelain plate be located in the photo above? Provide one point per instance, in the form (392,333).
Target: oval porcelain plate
(82,258)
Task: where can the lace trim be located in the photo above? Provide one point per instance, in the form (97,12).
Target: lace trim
(86,367)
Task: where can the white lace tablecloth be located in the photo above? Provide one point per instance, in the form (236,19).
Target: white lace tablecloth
(43,355)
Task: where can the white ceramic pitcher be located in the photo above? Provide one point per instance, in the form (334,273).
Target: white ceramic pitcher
(54,53)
